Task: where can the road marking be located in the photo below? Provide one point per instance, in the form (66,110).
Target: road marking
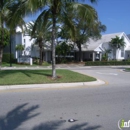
(107,73)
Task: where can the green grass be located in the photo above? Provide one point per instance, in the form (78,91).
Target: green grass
(4,64)
(13,77)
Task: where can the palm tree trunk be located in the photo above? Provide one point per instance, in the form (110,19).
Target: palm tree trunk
(1,47)
(40,45)
(80,53)
(53,47)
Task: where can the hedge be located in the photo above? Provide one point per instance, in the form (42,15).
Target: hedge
(6,57)
(101,63)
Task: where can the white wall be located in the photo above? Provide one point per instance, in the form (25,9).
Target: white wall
(35,51)
(126,40)
(27,41)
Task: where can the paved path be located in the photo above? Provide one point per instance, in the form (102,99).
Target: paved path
(64,66)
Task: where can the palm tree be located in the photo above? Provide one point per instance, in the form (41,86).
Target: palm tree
(53,9)
(8,22)
(117,43)
(85,30)
(39,32)
(19,48)
(3,17)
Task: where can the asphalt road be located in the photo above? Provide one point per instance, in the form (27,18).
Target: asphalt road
(93,108)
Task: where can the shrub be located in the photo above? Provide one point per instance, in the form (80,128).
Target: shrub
(6,58)
(101,63)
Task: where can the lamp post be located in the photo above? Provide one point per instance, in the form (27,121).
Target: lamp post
(10,52)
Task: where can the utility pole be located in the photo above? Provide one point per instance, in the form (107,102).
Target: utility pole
(10,52)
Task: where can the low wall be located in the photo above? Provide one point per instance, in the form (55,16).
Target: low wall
(27,60)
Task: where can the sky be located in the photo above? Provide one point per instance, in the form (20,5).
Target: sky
(115,14)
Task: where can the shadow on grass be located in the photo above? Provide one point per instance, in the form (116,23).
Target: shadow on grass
(57,125)
(14,118)
(28,73)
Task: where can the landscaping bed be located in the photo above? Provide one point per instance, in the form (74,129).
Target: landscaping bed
(15,77)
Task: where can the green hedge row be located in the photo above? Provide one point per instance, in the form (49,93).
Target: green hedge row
(101,63)
(6,58)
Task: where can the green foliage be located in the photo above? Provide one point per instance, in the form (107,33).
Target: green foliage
(4,40)
(105,55)
(101,63)
(53,10)
(19,47)
(117,42)
(6,57)
(62,49)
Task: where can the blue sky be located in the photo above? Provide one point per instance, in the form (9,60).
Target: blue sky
(115,14)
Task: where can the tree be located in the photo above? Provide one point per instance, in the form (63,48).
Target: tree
(7,8)
(53,9)
(62,49)
(3,32)
(117,43)
(41,33)
(19,48)
(105,56)
(84,30)
(4,41)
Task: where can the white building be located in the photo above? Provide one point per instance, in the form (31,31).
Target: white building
(94,49)
(91,50)
(31,50)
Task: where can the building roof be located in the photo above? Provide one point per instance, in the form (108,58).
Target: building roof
(91,45)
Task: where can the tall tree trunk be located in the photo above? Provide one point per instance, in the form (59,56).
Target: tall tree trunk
(40,61)
(1,42)
(80,53)
(40,45)
(53,47)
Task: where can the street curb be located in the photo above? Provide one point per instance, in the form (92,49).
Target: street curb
(54,85)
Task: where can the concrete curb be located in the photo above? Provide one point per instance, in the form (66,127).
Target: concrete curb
(54,85)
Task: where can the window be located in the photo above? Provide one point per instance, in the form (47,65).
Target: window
(90,55)
(24,40)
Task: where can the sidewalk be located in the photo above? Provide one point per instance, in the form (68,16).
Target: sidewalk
(53,85)
(60,66)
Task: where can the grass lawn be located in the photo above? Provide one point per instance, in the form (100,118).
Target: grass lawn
(13,77)
(4,64)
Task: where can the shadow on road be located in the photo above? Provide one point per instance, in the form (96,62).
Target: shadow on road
(54,125)
(14,118)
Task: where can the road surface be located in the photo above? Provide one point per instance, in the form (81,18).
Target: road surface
(93,108)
